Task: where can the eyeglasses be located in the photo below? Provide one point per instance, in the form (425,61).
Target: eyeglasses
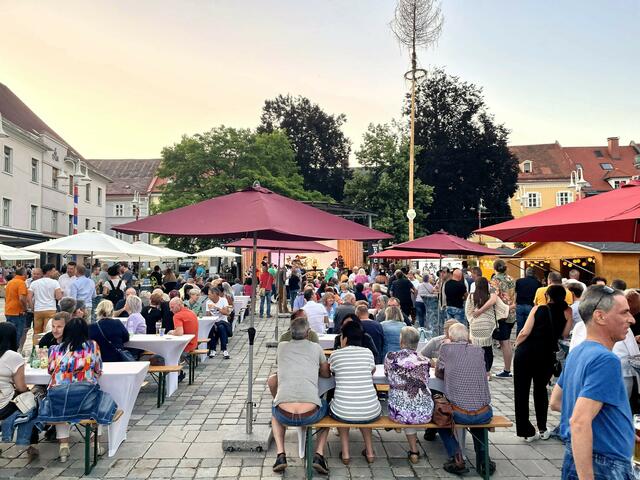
(606,291)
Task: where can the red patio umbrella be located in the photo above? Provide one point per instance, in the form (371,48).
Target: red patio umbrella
(282,245)
(403,254)
(258,213)
(608,217)
(443,243)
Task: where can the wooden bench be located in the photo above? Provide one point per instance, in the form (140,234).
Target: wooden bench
(328,351)
(193,359)
(159,374)
(91,427)
(385,423)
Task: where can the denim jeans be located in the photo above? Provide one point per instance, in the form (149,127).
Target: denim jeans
(522,313)
(603,467)
(23,436)
(457,313)
(450,442)
(421,313)
(301,422)
(219,331)
(19,322)
(267,298)
(292,296)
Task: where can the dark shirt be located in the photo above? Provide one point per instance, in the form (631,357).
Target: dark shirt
(120,306)
(548,324)
(454,291)
(635,328)
(401,289)
(294,282)
(158,278)
(110,335)
(162,314)
(367,342)
(374,330)
(47,341)
(341,312)
(127,277)
(526,290)
(360,296)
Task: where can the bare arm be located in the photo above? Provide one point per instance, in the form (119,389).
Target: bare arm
(528,326)
(325,370)
(24,301)
(30,298)
(556,399)
(584,412)
(19,380)
(569,325)
(493,298)
(178,332)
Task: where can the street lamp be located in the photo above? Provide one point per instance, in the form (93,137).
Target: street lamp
(577,181)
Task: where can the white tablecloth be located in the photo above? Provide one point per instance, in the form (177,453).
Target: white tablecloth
(325,384)
(204,327)
(121,380)
(326,341)
(167,346)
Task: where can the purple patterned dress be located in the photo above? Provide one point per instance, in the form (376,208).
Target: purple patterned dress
(410,399)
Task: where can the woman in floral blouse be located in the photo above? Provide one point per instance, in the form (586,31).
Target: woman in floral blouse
(410,399)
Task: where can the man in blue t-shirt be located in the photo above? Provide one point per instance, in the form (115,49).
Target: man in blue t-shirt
(596,421)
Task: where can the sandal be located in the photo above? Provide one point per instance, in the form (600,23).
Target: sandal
(414,457)
(345,460)
(370,459)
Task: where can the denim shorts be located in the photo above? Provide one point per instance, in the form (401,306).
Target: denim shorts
(300,421)
(604,468)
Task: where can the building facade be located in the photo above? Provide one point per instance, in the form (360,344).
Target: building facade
(39,174)
(131,193)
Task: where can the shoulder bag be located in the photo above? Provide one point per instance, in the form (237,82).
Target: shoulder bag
(125,355)
(442,411)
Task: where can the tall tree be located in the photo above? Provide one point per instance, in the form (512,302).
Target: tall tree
(321,148)
(378,186)
(224,160)
(463,155)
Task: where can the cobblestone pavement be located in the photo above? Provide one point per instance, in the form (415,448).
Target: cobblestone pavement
(183,438)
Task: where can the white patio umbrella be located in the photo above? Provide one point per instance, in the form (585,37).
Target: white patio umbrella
(216,252)
(12,253)
(164,252)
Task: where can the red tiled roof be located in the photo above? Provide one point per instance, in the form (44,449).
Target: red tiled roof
(17,112)
(128,176)
(553,162)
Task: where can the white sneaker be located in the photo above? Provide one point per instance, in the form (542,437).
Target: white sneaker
(226,356)
(212,353)
(546,435)
(533,438)
(64,452)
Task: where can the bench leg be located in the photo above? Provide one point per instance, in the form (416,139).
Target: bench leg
(158,403)
(164,387)
(485,439)
(87,450)
(309,453)
(95,448)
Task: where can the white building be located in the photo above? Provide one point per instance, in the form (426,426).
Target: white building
(132,191)
(38,171)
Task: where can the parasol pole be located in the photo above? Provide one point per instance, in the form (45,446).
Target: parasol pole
(252,334)
(441,293)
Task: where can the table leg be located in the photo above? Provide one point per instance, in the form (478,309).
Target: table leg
(485,439)
(309,453)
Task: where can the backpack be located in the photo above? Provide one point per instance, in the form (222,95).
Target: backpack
(115,294)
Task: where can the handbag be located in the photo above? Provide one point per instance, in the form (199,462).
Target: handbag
(558,354)
(502,314)
(25,401)
(442,411)
(125,355)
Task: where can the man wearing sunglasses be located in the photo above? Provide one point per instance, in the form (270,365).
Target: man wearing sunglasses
(596,421)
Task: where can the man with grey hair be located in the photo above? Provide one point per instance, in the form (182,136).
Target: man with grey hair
(596,422)
(67,304)
(525,293)
(461,366)
(118,308)
(574,277)
(297,402)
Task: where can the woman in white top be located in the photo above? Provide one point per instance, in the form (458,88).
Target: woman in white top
(423,290)
(217,307)
(355,399)
(12,382)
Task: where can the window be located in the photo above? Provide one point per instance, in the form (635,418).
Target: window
(527,167)
(618,183)
(119,235)
(532,200)
(70,224)
(6,212)
(54,221)
(34,218)
(606,166)
(86,224)
(87,192)
(8,159)
(99,226)
(562,198)
(35,174)
(598,153)
(119,210)
(54,177)
(99,198)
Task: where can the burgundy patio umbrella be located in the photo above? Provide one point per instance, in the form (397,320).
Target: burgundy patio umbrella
(608,217)
(443,243)
(282,245)
(403,254)
(258,213)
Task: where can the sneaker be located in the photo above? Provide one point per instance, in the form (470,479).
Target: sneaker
(64,452)
(535,437)
(226,356)
(503,374)
(281,463)
(320,464)
(546,435)
(212,353)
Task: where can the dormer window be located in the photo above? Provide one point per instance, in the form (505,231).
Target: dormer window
(527,166)
(598,153)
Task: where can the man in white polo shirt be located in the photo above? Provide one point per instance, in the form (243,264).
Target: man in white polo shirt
(316,313)
(66,279)
(43,294)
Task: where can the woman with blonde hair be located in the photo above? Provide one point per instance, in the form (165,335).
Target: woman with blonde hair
(110,334)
